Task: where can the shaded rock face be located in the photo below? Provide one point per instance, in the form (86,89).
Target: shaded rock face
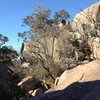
(82,73)
(4,77)
(88,16)
(76,91)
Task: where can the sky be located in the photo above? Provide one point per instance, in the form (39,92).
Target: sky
(12,13)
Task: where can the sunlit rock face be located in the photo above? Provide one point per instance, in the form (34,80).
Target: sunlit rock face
(88,16)
(89,19)
(94,44)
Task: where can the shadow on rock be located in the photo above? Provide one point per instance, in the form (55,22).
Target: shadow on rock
(76,91)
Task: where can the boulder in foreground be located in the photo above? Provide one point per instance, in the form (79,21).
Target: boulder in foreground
(81,83)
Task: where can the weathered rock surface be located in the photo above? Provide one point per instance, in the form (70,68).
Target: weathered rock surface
(81,83)
(88,16)
(82,73)
(94,44)
(62,77)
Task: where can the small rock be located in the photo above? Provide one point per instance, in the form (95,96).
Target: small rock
(36,92)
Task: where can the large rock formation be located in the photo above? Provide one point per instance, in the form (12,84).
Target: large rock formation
(82,73)
(89,16)
(81,83)
(87,25)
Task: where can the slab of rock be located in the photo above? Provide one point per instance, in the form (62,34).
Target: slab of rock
(82,73)
(81,83)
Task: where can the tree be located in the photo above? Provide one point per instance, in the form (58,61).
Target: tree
(7,54)
(43,30)
(40,22)
(3,40)
(61,15)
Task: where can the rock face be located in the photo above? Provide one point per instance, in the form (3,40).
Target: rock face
(87,22)
(81,83)
(4,77)
(62,77)
(88,16)
(94,44)
(82,73)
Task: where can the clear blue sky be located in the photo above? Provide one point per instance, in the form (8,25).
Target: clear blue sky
(12,13)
